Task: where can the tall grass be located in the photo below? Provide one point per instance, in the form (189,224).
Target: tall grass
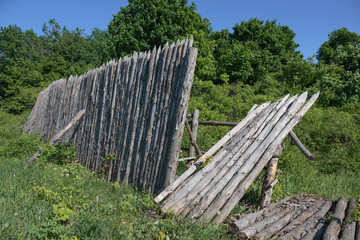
(65,201)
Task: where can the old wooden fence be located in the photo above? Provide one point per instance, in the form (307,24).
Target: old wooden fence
(135,109)
(236,161)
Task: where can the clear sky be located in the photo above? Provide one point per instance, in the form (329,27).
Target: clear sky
(311,20)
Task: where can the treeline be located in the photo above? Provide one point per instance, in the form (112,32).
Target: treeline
(254,62)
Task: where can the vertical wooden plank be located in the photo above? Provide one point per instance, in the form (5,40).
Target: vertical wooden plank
(194,130)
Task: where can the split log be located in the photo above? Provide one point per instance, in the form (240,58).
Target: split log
(301,146)
(270,177)
(300,219)
(240,189)
(349,229)
(260,153)
(300,231)
(192,139)
(210,152)
(333,230)
(258,227)
(56,138)
(251,218)
(207,180)
(194,130)
(357,234)
(276,226)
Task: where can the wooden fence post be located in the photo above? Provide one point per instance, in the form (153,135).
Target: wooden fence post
(194,130)
(270,180)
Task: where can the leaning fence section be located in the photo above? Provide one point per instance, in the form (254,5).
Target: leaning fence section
(135,109)
(211,192)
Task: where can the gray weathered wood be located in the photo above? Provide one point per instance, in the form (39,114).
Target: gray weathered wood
(301,230)
(333,230)
(194,130)
(301,146)
(135,110)
(349,226)
(270,177)
(210,152)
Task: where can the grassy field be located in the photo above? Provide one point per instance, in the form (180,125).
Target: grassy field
(54,199)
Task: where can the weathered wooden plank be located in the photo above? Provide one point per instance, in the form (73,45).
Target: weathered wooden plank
(210,152)
(279,137)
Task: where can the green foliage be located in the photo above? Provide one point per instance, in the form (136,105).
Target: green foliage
(253,50)
(61,154)
(29,62)
(142,25)
(340,37)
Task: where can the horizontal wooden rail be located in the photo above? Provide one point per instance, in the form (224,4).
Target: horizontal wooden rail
(297,141)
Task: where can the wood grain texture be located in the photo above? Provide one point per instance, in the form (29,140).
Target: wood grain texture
(135,110)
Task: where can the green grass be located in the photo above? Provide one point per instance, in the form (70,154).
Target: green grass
(65,201)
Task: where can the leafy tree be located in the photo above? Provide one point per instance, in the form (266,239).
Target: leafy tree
(253,50)
(342,50)
(141,25)
(340,37)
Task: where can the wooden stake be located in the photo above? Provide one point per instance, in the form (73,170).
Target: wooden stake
(192,139)
(194,130)
(270,177)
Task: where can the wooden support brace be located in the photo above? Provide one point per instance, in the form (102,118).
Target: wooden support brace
(56,138)
(301,146)
(193,142)
(194,130)
(270,179)
(186,159)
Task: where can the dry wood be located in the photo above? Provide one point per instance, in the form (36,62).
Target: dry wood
(333,230)
(270,177)
(194,130)
(349,227)
(186,159)
(56,138)
(258,227)
(259,149)
(71,124)
(251,218)
(276,226)
(210,152)
(135,109)
(300,219)
(216,123)
(241,189)
(192,138)
(181,110)
(211,178)
(300,231)
(301,146)
(204,177)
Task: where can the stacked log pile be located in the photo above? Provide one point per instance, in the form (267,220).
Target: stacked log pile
(135,108)
(213,191)
(299,217)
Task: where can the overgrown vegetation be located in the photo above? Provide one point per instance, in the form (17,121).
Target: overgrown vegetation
(255,62)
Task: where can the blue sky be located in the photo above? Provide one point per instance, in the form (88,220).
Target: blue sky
(311,20)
